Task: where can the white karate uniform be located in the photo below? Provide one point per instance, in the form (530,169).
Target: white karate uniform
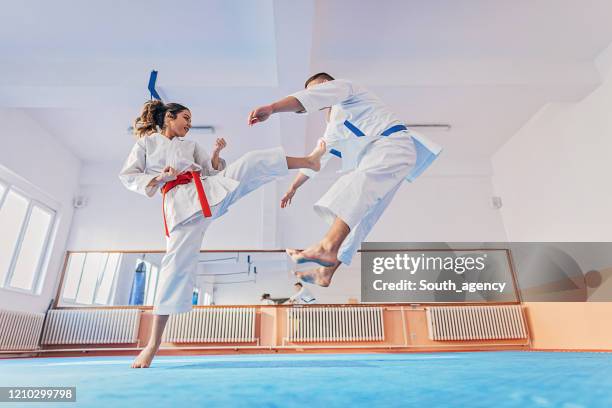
(377,152)
(186,222)
(303,297)
(152,153)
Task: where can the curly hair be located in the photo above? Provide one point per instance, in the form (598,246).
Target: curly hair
(153,115)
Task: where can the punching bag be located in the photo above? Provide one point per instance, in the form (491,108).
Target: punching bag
(138,286)
(194,297)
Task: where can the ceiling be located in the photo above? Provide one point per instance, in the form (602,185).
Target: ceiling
(80,69)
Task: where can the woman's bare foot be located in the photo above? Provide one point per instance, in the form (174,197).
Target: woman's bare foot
(145,357)
(316,253)
(321,276)
(314,158)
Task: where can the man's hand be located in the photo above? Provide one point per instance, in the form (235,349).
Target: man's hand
(260,114)
(286,200)
(220,144)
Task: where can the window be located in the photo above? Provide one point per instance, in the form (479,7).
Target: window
(74,270)
(108,277)
(151,286)
(26,226)
(90,278)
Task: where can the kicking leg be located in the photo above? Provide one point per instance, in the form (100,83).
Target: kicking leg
(312,161)
(260,167)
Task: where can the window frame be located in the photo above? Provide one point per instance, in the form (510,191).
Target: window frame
(45,253)
(101,274)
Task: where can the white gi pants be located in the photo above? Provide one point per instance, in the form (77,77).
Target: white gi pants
(361,196)
(180,263)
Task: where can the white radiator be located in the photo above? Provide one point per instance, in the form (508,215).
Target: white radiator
(20,330)
(320,324)
(212,325)
(476,322)
(96,326)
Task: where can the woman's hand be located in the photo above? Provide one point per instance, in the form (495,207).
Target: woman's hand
(214,159)
(286,200)
(220,144)
(260,114)
(168,174)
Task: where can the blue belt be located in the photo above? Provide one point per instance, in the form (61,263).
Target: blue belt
(394,129)
(424,156)
(357,132)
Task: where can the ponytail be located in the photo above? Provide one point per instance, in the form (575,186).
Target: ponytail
(153,115)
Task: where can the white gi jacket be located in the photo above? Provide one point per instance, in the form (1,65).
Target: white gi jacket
(357,118)
(152,153)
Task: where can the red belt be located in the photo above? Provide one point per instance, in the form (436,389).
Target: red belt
(185,178)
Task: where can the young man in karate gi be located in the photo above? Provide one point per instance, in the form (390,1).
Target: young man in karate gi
(302,296)
(378,153)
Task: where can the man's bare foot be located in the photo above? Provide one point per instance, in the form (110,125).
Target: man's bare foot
(316,253)
(321,276)
(145,357)
(314,158)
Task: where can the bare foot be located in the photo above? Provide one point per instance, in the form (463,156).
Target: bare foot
(321,276)
(145,357)
(316,253)
(314,158)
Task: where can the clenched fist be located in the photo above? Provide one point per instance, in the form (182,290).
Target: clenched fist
(220,144)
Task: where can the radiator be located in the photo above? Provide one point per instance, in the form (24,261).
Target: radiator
(91,326)
(20,330)
(320,324)
(212,325)
(476,322)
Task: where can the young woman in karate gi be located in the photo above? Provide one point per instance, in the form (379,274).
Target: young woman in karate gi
(378,153)
(196,188)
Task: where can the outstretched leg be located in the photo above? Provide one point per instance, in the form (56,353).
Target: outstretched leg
(260,167)
(312,161)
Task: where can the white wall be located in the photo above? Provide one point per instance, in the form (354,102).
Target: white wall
(36,159)
(554,174)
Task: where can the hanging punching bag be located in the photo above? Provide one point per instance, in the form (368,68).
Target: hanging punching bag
(138,286)
(194,297)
